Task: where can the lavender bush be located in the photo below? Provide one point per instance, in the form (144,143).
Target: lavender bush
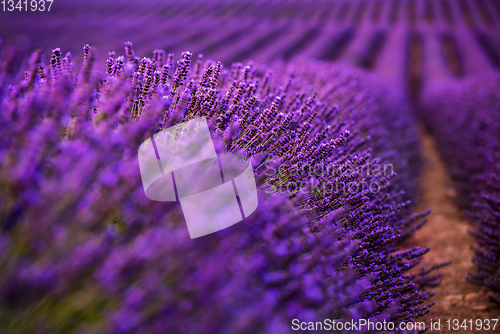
(374,110)
(466,123)
(84,250)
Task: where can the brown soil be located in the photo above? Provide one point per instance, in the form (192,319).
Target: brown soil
(446,234)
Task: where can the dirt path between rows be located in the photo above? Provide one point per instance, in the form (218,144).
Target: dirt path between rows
(446,235)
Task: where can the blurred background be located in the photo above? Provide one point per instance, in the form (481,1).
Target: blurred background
(413,44)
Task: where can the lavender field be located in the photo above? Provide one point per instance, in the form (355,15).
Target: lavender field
(372,129)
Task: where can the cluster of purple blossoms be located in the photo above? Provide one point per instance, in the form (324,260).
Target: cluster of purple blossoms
(466,123)
(370,108)
(84,250)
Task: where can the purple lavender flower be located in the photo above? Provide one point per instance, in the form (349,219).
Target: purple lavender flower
(85,250)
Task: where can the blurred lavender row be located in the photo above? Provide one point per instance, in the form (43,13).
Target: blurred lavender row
(465,120)
(410,43)
(84,250)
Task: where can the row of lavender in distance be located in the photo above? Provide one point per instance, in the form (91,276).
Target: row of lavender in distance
(465,119)
(83,249)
